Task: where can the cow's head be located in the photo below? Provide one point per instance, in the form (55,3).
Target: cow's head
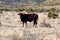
(20,13)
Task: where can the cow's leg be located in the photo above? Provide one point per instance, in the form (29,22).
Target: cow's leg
(26,23)
(23,24)
(35,24)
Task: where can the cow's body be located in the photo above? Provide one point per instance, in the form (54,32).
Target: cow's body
(28,17)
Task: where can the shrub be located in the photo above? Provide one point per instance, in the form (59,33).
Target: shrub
(1,9)
(35,10)
(52,15)
(49,14)
(41,10)
(30,9)
(19,9)
(0,24)
(58,10)
(52,9)
(45,24)
(7,9)
(1,12)
(15,37)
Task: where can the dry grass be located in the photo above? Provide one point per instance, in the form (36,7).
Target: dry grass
(11,29)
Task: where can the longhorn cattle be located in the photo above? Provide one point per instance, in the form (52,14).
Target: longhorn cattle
(28,17)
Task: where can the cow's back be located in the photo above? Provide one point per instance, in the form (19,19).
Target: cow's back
(28,17)
(32,17)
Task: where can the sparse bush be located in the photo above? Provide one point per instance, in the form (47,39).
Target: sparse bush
(31,10)
(15,37)
(1,12)
(29,36)
(44,24)
(0,24)
(52,9)
(58,10)
(35,10)
(6,10)
(52,15)
(41,10)
(19,9)
(1,9)
(49,14)
(0,21)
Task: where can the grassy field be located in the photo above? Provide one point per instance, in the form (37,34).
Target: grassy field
(48,27)
(11,27)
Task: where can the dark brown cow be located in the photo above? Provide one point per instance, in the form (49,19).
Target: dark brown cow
(28,17)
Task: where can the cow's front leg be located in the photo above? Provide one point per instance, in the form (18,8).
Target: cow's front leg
(23,24)
(26,23)
(33,24)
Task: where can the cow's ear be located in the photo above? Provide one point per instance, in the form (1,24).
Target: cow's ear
(19,14)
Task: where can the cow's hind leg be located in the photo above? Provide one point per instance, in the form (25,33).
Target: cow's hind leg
(35,24)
